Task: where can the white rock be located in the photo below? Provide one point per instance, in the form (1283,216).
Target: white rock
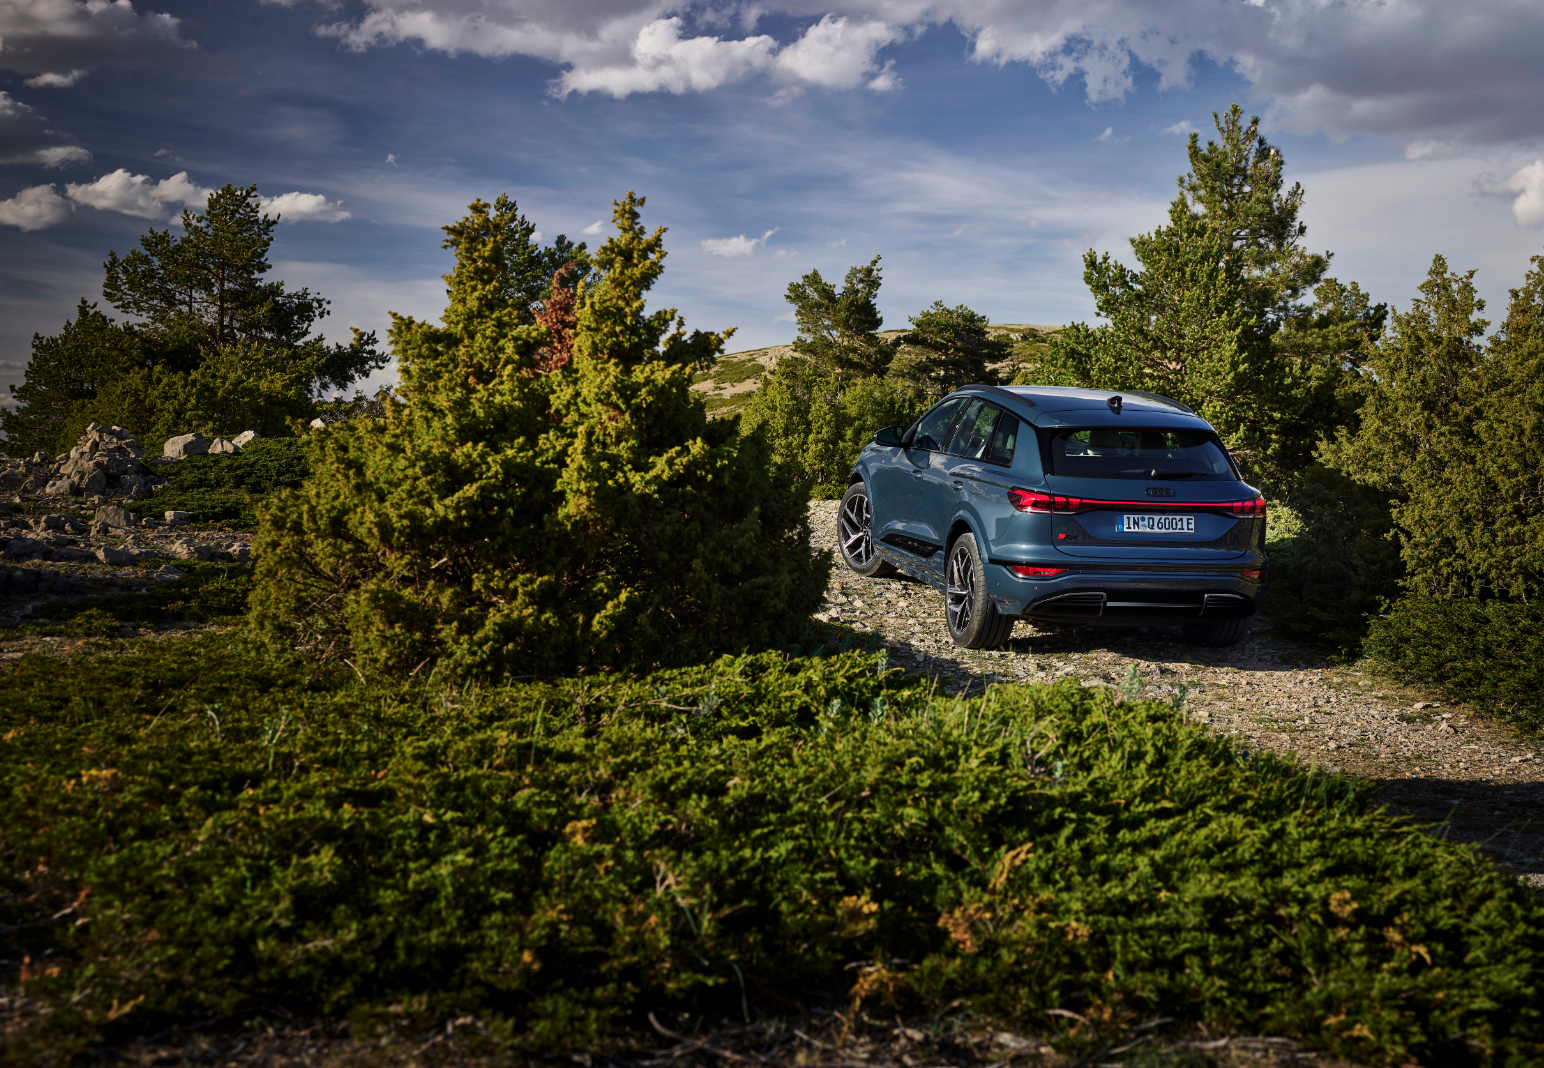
(180,448)
(245,436)
(317,424)
(178,518)
(60,487)
(222,445)
(167,574)
(94,483)
(116,557)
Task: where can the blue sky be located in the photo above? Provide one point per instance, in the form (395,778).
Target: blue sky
(980,148)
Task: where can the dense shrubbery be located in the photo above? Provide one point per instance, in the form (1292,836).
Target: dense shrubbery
(261,835)
(228,488)
(1333,561)
(1490,651)
(817,424)
(549,496)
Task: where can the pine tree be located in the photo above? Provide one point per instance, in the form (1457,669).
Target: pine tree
(949,347)
(838,328)
(513,517)
(1186,325)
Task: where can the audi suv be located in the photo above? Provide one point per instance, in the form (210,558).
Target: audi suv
(1065,505)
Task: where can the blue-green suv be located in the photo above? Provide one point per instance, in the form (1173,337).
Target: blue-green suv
(1071,505)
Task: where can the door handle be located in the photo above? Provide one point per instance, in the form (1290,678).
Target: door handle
(958,484)
(916,473)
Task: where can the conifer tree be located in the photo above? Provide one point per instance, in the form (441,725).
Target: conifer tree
(838,328)
(515,516)
(949,347)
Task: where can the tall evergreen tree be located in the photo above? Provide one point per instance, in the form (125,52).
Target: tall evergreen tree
(838,328)
(949,347)
(197,297)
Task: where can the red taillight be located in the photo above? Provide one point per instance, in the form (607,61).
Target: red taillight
(1035,501)
(1252,576)
(1248,509)
(1029,500)
(1030,571)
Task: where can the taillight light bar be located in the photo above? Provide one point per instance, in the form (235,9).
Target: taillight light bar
(1035,501)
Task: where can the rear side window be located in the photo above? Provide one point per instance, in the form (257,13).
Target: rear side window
(933,428)
(985,432)
(1116,452)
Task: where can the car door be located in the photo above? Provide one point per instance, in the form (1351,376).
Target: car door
(979,466)
(904,496)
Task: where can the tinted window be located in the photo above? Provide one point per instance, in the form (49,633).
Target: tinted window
(1114,452)
(974,430)
(933,428)
(1003,441)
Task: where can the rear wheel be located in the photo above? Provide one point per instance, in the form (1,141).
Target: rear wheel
(972,618)
(855,534)
(1218,635)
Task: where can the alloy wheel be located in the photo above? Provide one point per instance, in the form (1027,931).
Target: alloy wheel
(857,542)
(960,597)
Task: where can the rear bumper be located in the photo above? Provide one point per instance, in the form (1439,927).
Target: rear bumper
(1111,597)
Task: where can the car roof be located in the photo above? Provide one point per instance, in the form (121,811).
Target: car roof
(1075,398)
(1046,401)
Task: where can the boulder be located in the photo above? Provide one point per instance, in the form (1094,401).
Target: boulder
(245,437)
(71,553)
(94,483)
(39,458)
(167,574)
(178,519)
(114,516)
(60,487)
(223,445)
(49,522)
(318,423)
(115,557)
(188,549)
(25,548)
(180,448)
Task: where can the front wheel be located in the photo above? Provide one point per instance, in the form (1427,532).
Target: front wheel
(855,534)
(973,619)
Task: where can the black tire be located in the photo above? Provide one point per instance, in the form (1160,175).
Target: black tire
(855,537)
(973,620)
(1218,635)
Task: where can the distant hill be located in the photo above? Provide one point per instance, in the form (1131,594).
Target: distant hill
(729,385)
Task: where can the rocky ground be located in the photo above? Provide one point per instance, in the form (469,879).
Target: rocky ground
(1436,760)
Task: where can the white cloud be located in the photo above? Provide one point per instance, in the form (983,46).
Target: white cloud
(304,207)
(24,138)
(840,53)
(391,159)
(660,58)
(1184,127)
(1526,188)
(1109,133)
(735,247)
(1428,150)
(167,154)
(35,209)
(1417,69)
(593,228)
(54,81)
(137,195)
(42,37)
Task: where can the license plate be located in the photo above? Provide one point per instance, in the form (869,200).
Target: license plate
(1155,524)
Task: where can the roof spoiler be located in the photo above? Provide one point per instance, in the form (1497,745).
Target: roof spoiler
(1162,400)
(1004,393)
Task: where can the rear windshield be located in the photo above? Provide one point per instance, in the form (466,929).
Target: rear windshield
(1153,455)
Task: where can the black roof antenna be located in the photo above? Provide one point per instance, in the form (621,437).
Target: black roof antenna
(1114,403)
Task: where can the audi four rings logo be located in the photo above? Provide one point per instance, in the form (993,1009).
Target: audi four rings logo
(1160,491)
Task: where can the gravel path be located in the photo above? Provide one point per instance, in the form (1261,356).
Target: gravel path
(1431,758)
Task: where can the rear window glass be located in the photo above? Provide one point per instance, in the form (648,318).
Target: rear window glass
(1115,452)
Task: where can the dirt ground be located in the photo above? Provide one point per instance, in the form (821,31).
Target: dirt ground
(1479,781)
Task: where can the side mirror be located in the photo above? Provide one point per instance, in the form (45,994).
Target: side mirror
(889,436)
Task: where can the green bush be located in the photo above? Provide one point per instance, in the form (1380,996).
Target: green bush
(1333,561)
(227,488)
(523,512)
(817,423)
(1490,652)
(198,829)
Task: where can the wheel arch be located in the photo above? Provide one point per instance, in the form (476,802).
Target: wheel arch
(961,526)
